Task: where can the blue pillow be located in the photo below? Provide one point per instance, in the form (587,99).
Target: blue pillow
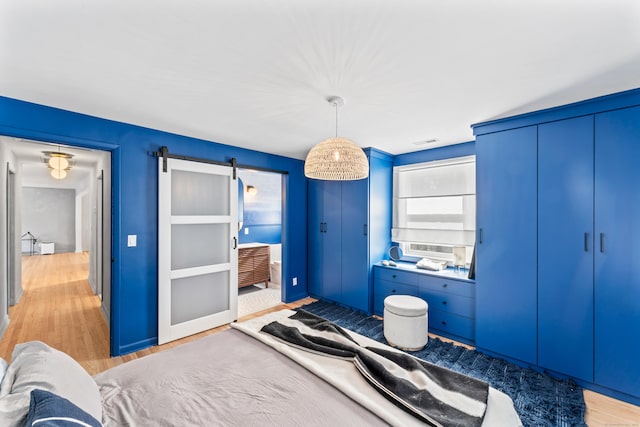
(50,410)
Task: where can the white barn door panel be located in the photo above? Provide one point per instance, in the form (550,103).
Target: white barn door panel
(197,245)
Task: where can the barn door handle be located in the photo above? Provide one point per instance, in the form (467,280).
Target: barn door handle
(602,242)
(480,236)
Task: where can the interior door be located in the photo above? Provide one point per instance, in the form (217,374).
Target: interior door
(197,242)
(11,242)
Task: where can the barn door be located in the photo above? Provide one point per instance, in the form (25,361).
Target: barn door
(197,260)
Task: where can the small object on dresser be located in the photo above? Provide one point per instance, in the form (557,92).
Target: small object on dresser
(429,264)
(392,264)
(384,262)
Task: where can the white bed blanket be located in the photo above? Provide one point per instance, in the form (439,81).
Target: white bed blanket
(344,376)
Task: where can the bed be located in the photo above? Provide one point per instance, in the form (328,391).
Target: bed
(240,376)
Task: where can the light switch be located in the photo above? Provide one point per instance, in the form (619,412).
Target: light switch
(246,230)
(132,240)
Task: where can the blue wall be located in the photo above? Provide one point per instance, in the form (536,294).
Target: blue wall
(262,211)
(440,153)
(135,198)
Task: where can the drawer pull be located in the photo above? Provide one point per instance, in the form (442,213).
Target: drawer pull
(393,291)
(394,276)
(444,322)
(444,302)
(444,285)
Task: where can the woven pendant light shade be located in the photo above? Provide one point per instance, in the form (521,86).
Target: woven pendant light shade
(336,159)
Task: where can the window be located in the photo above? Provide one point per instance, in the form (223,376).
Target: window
(434,208)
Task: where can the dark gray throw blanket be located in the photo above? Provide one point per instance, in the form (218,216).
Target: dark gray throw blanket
(436,395)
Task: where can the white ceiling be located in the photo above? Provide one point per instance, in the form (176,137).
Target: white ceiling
(36,173)
(255,73)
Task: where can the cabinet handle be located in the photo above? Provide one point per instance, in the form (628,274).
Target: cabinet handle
(586,242)
(321,227)
(602,242)
(235,243)
(480,236)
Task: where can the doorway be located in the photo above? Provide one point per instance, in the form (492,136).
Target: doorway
(32,193)
(260,235)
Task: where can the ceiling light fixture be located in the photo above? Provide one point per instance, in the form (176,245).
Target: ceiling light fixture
(59,173)
(336,159)
(58,162)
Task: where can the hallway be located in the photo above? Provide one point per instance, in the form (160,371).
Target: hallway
(59,308)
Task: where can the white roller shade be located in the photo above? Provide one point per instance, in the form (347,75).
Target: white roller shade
(435,203)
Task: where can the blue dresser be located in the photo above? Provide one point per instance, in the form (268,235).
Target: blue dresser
(450,296)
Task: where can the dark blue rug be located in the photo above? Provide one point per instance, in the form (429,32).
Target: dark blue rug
(539,399)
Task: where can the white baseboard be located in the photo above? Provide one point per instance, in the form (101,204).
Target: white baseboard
(106,315)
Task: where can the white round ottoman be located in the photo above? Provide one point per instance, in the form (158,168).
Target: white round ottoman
(405,322)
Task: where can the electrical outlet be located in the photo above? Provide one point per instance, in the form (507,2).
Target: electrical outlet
(246,230)
(295,281)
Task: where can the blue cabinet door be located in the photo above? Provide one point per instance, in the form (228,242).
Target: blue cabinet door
(565,247)
(315,238)
(325,218)
(506,249)
(617,258)
(332,244)
(355,254)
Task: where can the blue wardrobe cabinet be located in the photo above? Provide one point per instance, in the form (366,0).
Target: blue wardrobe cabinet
(558,245)
(349,231)
(506,249)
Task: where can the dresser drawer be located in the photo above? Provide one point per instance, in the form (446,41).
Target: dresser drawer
(441,284)
(383,288)
(451,324)
(454,304)
(396,276)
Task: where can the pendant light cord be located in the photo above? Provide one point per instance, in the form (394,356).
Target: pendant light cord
(336,106)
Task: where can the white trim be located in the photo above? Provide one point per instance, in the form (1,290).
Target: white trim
(200,219)
(436,163)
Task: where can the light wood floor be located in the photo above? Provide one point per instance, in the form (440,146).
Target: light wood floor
(59,308)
